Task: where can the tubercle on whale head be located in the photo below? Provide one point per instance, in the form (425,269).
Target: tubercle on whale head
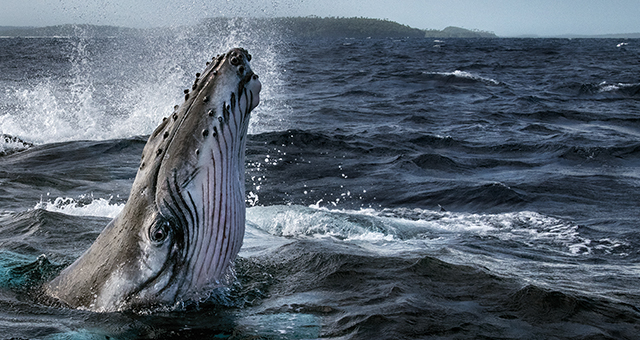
(207,98)
(184,221)
(217,107)
(229,89)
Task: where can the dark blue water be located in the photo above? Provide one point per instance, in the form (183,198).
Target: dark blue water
(396,189)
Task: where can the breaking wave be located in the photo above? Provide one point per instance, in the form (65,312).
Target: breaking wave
(83,206)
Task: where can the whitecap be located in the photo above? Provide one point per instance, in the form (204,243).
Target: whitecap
(86,206)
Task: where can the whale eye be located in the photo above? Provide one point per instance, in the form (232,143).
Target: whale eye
(159,232)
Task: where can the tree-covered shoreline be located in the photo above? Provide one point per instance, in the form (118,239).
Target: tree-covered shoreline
(298,27)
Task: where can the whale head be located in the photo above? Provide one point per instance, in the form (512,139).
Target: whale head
(183,223)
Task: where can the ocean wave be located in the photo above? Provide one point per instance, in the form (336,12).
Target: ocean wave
(601,153)
(341,287)
(83,206)
(529,229)
(623,90)
(407,296)
(458,76)
(404,227)
(10,144)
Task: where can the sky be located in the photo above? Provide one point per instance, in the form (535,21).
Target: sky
(503,17)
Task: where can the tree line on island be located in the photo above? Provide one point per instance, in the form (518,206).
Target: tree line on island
(336,27)
(299,27)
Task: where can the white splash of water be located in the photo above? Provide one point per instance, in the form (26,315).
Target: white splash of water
(96,207)
(125,92)
(417,228)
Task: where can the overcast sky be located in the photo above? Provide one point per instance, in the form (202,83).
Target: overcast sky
(504,17)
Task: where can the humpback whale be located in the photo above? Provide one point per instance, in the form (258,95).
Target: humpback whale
(183,223)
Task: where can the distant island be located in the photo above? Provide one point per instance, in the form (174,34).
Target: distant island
(298,27)
(336,27)
(295,27)
(68,30)
(603,36)
(583,36)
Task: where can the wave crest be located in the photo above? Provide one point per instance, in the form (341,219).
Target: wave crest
(83,206)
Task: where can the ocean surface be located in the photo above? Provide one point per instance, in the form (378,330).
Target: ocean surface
(396,188)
